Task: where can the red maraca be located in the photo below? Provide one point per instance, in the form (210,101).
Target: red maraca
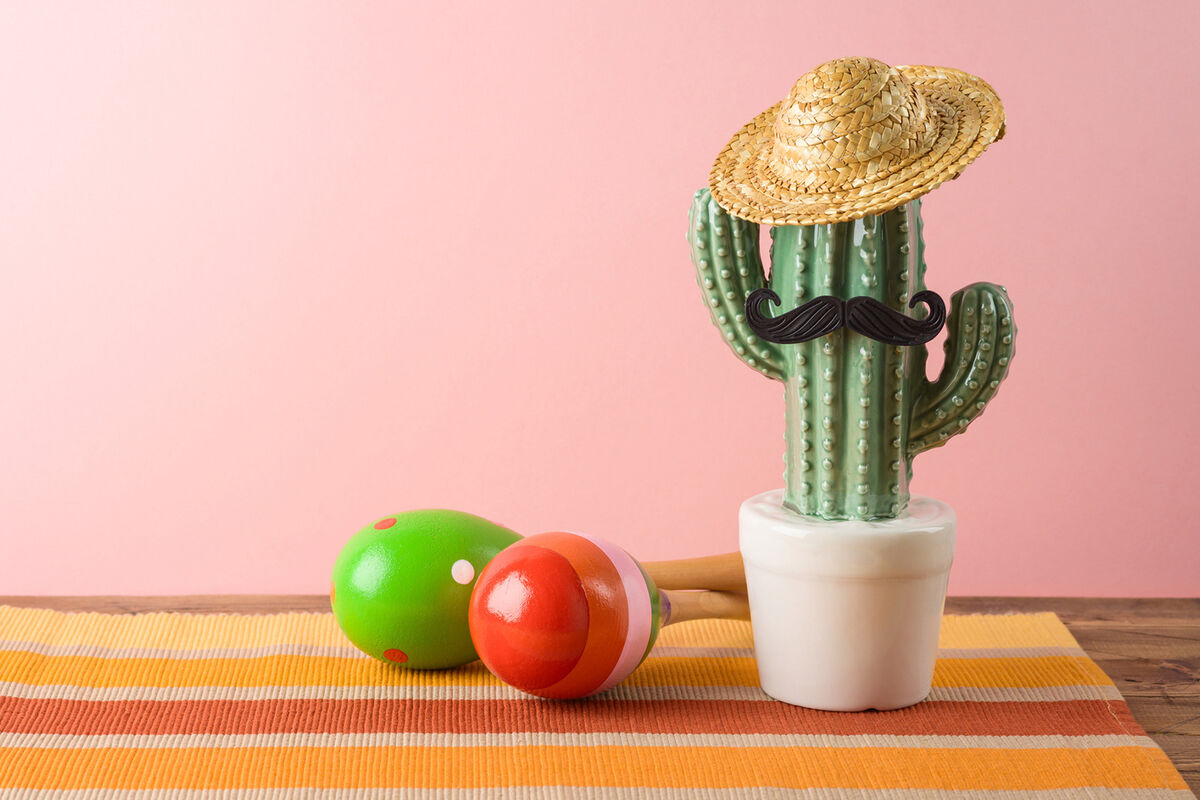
(565,615)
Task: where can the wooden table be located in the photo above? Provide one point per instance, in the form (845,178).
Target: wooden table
(1149,647)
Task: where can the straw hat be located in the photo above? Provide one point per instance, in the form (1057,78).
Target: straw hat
(855,137)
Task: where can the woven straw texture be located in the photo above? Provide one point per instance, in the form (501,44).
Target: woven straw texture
(280,706)
(855,137)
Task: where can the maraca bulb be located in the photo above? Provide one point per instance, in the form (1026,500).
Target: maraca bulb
(563,615)
(402,585)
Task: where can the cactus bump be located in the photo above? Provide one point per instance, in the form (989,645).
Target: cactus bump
(857,410)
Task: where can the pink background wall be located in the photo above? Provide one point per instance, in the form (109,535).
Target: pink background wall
(271,270)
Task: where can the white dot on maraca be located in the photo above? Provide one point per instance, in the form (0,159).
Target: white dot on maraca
(462,571)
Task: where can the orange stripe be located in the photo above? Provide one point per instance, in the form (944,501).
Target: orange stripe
(608,614)
(39,670)
(663,717)
(471,767)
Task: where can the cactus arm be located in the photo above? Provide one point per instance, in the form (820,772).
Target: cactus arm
(728,269)
(978,350)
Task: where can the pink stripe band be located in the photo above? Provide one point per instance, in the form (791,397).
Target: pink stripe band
(640,611)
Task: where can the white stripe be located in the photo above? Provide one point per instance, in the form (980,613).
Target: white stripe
(55,741)
(599,793)
(1010,652)
(348,651)
(500,692)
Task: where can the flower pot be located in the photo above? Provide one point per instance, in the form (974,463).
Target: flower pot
(846,613)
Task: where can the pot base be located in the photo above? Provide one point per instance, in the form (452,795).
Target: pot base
(846,614)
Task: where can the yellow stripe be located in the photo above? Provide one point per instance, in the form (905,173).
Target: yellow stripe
(1009,672)
(434,767)
(285,670)
(229,630)
(706,633)
(966,631)
(167,630)
(1004,630)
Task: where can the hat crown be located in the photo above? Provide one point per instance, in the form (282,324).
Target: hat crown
(844,115)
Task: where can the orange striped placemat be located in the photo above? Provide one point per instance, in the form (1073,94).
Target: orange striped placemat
(281,706)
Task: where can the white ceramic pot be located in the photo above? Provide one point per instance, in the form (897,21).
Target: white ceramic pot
(846,614)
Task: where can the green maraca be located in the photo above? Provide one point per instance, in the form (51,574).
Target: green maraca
(402,585)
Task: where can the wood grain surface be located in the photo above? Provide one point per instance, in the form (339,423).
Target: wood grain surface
(1149,646)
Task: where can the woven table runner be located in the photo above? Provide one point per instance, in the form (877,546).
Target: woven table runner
(282,706)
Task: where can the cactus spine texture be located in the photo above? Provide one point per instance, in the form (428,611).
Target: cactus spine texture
(858,410)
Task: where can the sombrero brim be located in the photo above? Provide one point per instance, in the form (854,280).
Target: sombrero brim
(967,115)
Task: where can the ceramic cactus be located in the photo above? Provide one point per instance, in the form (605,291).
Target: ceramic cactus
(858,410)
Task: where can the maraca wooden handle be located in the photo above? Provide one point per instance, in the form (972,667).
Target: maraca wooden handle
(723,573)
(705,605)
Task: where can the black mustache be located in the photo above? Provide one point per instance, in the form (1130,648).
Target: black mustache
(866,315)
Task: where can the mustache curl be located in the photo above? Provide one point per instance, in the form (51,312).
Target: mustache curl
(865,315)
(812,320)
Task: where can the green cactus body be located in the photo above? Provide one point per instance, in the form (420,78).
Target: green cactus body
(858,410)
